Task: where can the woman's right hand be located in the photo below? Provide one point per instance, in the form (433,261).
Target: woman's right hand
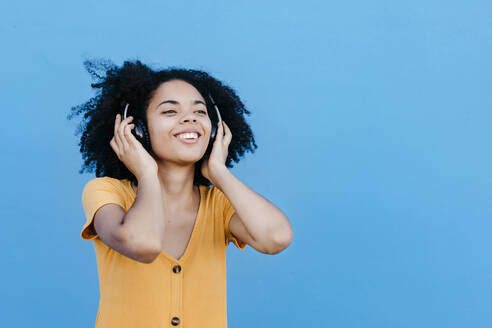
(129,150)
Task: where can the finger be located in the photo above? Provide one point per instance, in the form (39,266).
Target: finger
(119,142)
(124,123)
(116,123)
(124,139)
(220,130)
(130,138)
(114,146)
(228,134)
(121,132)
(226,139)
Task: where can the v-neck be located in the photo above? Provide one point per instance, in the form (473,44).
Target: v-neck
(191,241)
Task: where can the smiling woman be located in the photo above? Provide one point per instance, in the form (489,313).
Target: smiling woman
(163,209)
(183,118)
(136,83)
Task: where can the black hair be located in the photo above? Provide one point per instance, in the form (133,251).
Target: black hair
(135,83)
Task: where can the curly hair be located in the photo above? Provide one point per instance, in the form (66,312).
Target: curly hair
(136,83)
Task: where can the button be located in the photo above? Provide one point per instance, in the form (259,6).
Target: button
(177,268)
(175,321)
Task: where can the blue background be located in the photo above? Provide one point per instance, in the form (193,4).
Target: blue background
(373,121)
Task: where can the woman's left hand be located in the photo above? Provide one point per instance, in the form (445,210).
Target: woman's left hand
(215,164)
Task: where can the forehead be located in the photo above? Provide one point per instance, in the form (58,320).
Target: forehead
(177,90)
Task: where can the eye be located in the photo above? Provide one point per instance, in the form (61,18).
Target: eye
(167,111)
(204,112)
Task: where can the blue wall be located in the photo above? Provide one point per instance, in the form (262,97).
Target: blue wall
(373,121)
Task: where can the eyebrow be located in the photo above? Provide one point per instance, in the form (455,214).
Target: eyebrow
(174,102)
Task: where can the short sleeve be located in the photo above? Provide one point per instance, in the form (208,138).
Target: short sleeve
(228,211)
(98,192)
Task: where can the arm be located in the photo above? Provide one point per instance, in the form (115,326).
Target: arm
(144,222)
(140,230)
(107,224)
(117,228)
(257,222)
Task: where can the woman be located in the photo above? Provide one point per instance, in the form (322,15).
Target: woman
(164,207)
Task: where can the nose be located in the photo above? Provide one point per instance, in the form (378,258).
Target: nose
(189,117)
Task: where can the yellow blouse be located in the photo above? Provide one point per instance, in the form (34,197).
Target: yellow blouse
(189,292)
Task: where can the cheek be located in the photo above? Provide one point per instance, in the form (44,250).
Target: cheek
(205,124)
(159,129)
(208,125)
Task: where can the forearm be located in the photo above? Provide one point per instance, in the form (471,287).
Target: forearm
(265,222)
(144,222)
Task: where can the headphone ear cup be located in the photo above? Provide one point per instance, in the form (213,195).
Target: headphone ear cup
(142,134)
(211,141)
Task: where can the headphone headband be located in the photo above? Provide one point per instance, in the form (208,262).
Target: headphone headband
(216,108)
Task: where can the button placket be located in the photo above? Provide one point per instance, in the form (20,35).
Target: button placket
(177,295)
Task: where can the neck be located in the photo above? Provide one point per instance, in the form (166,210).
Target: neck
(177,186)
(176,181)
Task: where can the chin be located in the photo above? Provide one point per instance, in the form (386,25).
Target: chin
(184,158)
(190,159)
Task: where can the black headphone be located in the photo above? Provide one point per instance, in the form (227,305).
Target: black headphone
(141,132)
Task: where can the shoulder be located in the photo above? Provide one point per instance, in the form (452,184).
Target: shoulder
(214,200)
(107,185)
(215,191)
(213,194)
(105,182)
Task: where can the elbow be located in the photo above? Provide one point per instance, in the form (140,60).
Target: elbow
(147,253)
(148,257)
(141,250)
(280,241)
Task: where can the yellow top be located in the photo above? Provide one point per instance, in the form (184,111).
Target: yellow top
(189,292)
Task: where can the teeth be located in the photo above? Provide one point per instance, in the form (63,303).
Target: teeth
(188,135)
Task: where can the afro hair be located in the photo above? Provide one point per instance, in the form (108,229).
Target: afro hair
(136,83)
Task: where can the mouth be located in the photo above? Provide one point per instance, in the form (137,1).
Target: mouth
(188,138)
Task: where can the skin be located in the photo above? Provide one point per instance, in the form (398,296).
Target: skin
(176,160)
(257,221)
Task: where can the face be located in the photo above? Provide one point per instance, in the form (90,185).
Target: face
(175,107)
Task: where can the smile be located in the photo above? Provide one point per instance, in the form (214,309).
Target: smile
(189,138)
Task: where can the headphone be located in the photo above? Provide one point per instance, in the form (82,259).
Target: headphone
(141,132)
